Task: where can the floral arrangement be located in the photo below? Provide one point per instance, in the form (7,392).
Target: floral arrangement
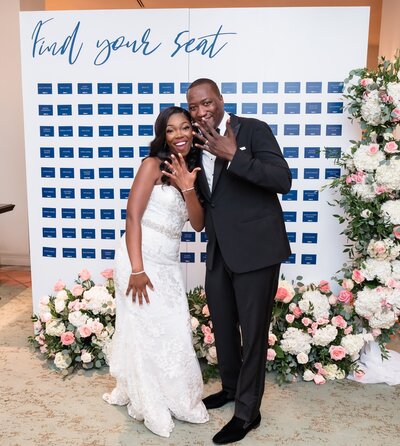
(74,328)
(370,198)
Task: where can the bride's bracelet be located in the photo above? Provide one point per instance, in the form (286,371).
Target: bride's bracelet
(187,190)
(136,274)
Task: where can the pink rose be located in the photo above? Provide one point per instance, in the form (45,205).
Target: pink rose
(283,295)
(366,81)
(206,330)
(297,311)
(96,327)
(359,374)
(85,331)
(332,299)
(209,338)
(391,147)
(59,285)
(379,190)
(205,311)
(67,338)
(345,296)
(314,326)
(373,149)
(348,330)
(396,232)
(396,114)
(358,276)
(324,286)
(319,379)
(108,273)
(322,321)
(339,321)
(337,352)
(289,318)
(306,321)
(349,179)
(43,349)
(376,332)
(46,317)
(77,290)
(271,353)
(272,339)
(392,283)
(84,274)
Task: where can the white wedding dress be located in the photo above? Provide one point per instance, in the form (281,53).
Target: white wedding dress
(152,356)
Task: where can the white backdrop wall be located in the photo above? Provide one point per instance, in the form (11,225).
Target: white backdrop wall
(94,82)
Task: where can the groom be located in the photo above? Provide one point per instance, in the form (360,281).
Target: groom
(243,170)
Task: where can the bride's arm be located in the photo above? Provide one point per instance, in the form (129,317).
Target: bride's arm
(139,195)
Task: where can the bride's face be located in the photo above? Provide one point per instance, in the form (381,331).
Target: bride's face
(178,134)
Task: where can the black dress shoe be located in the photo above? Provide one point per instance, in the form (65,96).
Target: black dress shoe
(235,430)
(217,399)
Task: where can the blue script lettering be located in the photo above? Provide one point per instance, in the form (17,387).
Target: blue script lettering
(40,46)
(108,46)
(209,44)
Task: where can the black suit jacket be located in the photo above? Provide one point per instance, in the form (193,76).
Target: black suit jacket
(242,213)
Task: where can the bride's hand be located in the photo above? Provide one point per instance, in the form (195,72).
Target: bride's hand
(138,285)
(180,174)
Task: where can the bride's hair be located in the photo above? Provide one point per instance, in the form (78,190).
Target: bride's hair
(159,147)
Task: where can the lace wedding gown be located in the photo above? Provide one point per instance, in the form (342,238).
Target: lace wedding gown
(152,356)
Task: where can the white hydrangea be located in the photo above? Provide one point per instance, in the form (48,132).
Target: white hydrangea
(365,161)
(319,303)
(385,249)
(295,341)
(393,89)
(391,210)
(99,300)
(396,269)
(377,269)
(353,343)
(325,335)
(388,174)
(364,191)
(371,110)
(55,327)
(62,360)
(77,318)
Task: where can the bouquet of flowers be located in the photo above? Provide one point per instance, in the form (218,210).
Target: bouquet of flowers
(313,334)
(74,328)
(202,330)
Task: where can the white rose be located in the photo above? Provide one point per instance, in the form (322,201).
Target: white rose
(62,360)
(212,355)
(308,375)
(302,358)
(194,323)
(86,357)
(44,300)
(62,295)
(59,305)
(366,213)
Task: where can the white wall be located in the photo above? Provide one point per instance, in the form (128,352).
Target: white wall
(14,248)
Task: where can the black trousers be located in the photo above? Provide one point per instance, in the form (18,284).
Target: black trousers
(240,308)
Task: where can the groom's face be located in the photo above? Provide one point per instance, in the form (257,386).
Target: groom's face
(205,104)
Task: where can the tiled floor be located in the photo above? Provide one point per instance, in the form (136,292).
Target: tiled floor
(13,280)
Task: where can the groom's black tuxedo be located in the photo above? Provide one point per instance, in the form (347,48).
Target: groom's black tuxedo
(247,241)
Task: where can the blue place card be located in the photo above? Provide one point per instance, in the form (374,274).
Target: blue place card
(68,233)
(290,196)
(187,257)
(107,194)
(84,88)
(291,259)
(290,216)
(105,109)
(292,87)
(335,107)
(69,253)
(313,129)
(124,88)
(308,259)
(65,131)
(64,88)
(69,213)
(165,105)
(108,234)
(48,172)
(125,152)
(124,194)
(105,152)
(85,152)
(270,108)
(123,214)
(126,172)
(291,152)
(85,109)
(203,237)
(310,195)
(311,173)
(331,173)
(126,109)
(312,152)
(46,130)
(107,254)
(203,257)
(166,88)
(335,87)
(183,87)
(292,108)
(126,130)
(67,192)
(49,252)
(274,129)
(313,87)
(45,110)
(144,151)
(64,110)
(145,109)
(230,107)
(291,129)
(145,88)
(88,253)
(309,237)
(87,174)
(291,237)
(87,233)
(310,217)
(333,152)
(334,130)
(105,88)
(48,192)
(87,194)
(85,131)
(47,152)
(188,236)
(106,130)
(270,87)
(49,212)
(67,172)
(45,89)
(295,173)
(88,214)
(49,232)
(106,172)
(145,130)
(313,108)
(228,87)
(249,87)
(249,108)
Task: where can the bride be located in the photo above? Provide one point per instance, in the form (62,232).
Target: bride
(152,357)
